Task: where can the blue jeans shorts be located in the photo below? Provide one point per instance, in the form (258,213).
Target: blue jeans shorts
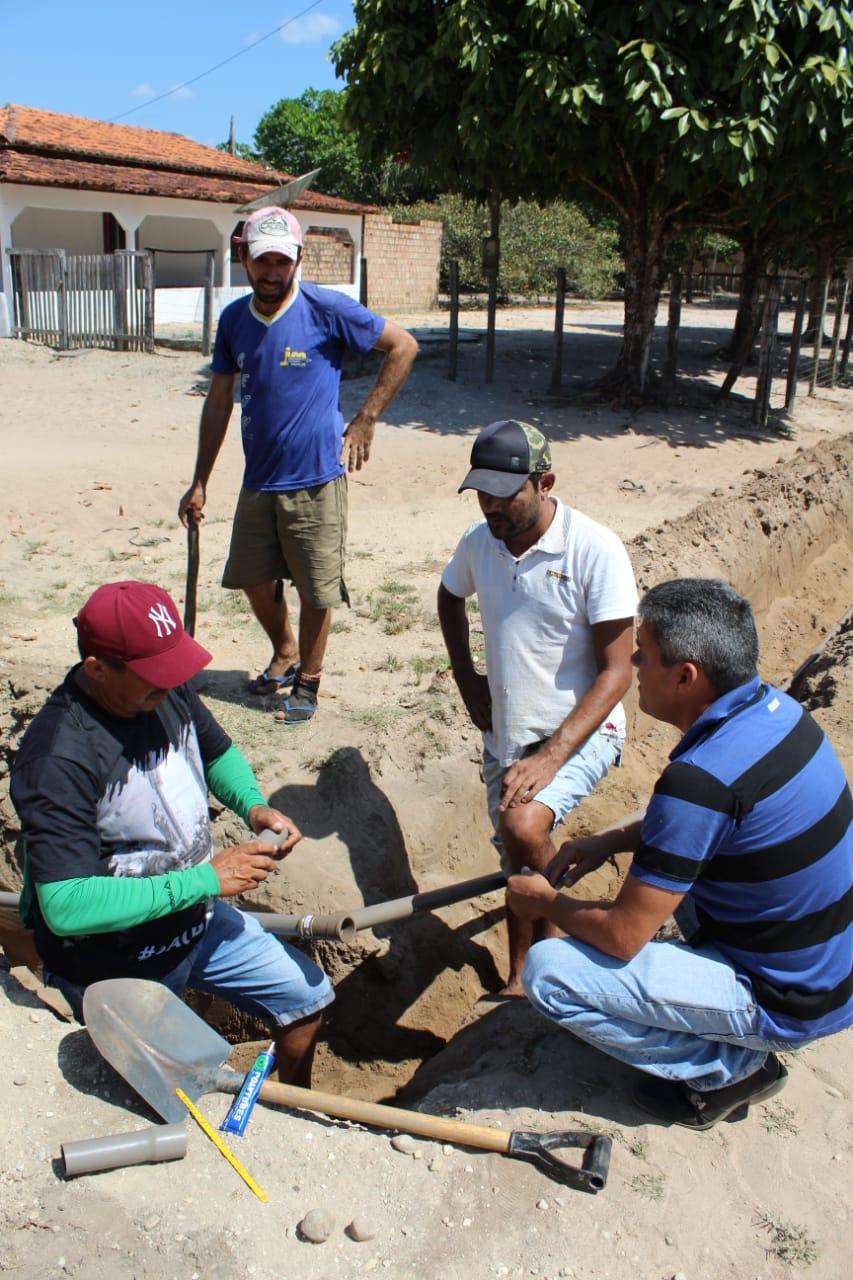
(239,961)
(573,782)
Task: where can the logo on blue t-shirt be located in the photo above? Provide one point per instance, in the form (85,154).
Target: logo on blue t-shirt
(299,359)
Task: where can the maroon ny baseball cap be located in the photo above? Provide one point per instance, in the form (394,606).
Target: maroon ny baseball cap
(138,624)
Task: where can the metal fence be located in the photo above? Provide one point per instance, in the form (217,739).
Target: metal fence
(84,299)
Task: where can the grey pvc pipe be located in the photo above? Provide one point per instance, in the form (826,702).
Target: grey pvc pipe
(345,926)
(143,1146)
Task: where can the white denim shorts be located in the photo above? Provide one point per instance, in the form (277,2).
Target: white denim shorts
(572,782)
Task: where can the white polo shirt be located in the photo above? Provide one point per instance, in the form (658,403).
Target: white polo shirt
(537,615)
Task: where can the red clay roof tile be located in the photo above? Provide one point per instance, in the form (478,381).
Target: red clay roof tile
(49,148)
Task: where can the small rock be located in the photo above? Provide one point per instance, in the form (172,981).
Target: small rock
(669,1240)
(19,1079)
(317,1225)
(447,1150)
(403,1142)
(830,1089)
(469,1168)
(467,1222)
(360,1229)
(417,1155)
(436,1164)
(542,1204)
(35,1017)
(151,1222)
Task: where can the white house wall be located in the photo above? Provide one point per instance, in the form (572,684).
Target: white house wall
(73,230)
(64,217)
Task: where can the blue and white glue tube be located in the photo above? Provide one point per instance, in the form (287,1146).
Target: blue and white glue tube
(241,1108)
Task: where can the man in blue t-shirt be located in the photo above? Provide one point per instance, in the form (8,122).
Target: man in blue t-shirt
(748,838)
(287,341)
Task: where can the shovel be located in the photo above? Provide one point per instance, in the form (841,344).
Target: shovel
(158,1045)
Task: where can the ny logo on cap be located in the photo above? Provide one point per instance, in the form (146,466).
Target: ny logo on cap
(163,620)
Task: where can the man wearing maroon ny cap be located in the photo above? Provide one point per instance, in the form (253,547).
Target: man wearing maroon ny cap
(111,786)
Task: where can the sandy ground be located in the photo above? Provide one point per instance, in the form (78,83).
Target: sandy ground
(97,449)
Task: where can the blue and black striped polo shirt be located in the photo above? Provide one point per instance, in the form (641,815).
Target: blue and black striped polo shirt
(753,817)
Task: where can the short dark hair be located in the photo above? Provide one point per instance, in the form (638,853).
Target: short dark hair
(115,663)
(705,621)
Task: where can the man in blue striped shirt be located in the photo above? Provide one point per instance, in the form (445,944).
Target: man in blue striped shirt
(748,838)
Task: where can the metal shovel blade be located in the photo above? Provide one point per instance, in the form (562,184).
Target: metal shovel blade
(154,1041)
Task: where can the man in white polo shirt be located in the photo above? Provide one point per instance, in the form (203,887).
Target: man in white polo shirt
(557,598)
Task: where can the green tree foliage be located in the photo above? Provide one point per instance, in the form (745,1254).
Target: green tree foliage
(662,109)
(242,150)
(310,132)
(535,242)
(304,133)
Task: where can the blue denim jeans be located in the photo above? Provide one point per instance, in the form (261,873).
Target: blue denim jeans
(674,1011)
(239,961)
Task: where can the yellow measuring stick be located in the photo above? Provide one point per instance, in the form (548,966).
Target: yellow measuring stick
(217,1142)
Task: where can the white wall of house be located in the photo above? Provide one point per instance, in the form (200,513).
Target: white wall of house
(178,270)
(50,217)
(73,230)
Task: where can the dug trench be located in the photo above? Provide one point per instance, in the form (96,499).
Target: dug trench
(387,819)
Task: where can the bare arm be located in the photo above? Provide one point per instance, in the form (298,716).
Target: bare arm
(619,928)
(400,350)
(473,687)
(612,643)
(215,416)
(577,858)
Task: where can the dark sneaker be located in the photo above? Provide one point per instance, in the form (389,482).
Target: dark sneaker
(674,1102)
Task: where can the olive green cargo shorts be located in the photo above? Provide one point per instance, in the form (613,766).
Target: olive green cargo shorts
(299,535)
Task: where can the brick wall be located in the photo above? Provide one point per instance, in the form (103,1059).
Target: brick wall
(327,257)
(402,263)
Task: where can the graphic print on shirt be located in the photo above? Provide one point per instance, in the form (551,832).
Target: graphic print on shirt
(155,819)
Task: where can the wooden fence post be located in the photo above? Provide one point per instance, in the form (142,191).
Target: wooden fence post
(148,309)
(818,340)
(207,315)
(559,317)
(62,298)
(796,343)
(120,342)
(769,327)
(673,325)
(845,356)
(836,334)
(453,324)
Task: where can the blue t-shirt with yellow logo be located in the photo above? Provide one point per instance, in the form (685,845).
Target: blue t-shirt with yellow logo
(290,375)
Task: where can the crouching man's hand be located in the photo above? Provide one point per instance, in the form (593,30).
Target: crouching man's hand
(242,867)
(261,817)
(529,895)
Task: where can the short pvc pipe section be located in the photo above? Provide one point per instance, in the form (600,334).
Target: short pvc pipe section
(143,1146)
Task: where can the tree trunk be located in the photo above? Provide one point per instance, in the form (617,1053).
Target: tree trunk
(823,256)
(646,240)
(741,345)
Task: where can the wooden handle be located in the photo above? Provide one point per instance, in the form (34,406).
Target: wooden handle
(378,1116)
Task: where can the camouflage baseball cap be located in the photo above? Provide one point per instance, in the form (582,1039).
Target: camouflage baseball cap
(504,455)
